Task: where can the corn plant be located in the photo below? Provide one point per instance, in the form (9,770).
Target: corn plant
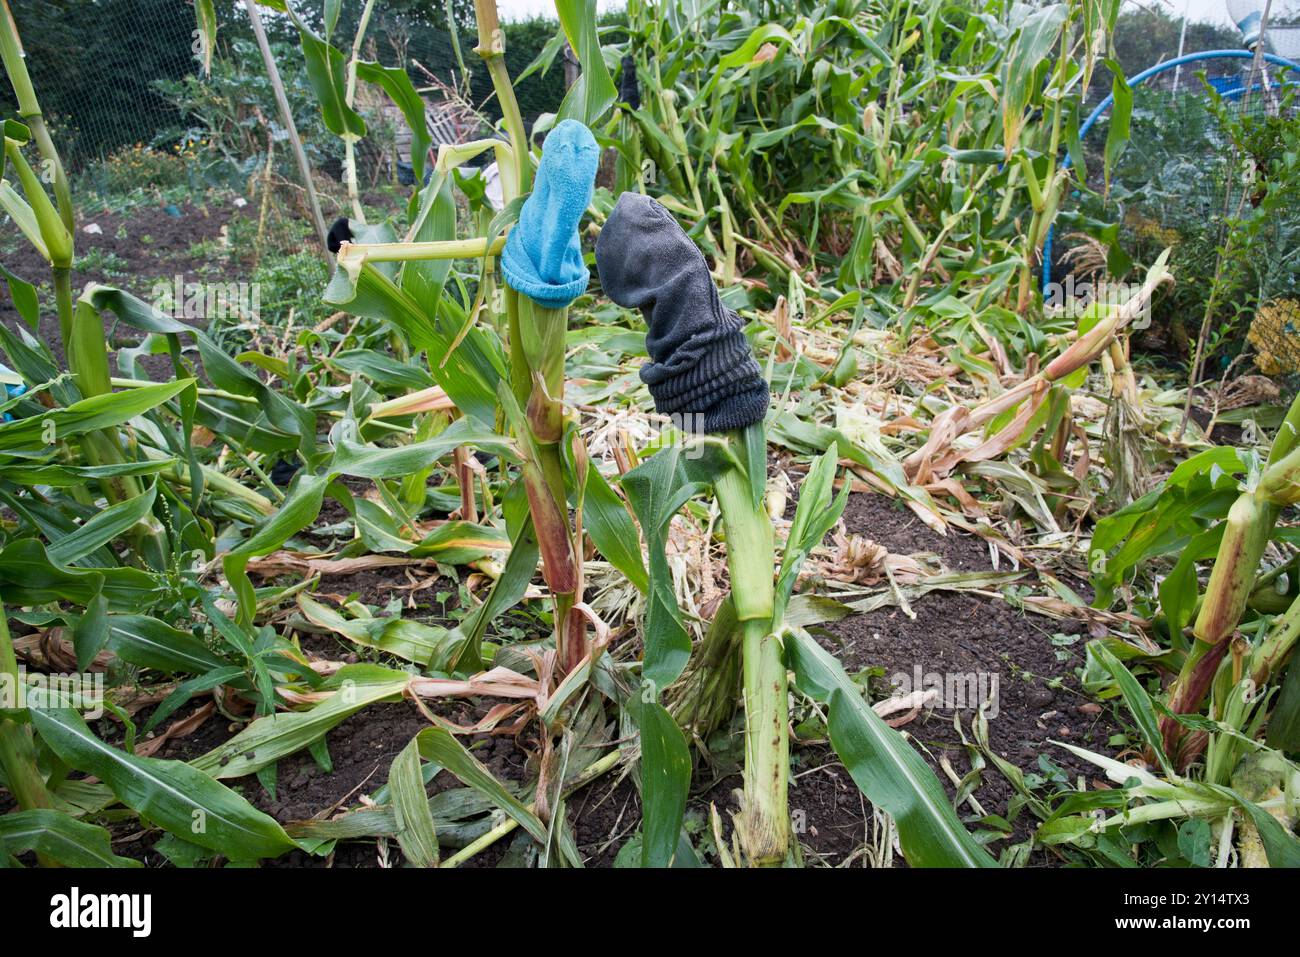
(1220,505)
(448,389)
(761,137)
(520,384)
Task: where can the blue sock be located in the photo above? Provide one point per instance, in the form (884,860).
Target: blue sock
(12,389)
(543,254)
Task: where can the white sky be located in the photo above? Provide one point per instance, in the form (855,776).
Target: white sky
(523,9)
(1213,11)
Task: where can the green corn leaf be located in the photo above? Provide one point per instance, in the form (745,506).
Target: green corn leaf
(506,592)
(384,371)
(1280,845)
(28,577)
(438,746)
(1024,67)
(23,295)
(594,92)
(23,217)
(59,837)
(424,281)
(1121,115)
(469,374)
(881,762)
(149,643)
(332,10)
(91,632)
(650,490)
(1138,702)
(377,529)
(815,515)
(416,833)
(297,511)
(754,445)
(231,675)
(605,518)
(459,543)
(327,74)
(430,646)
(772,33)
(366,461)
(291,419)
(1284,723)
(174,796)
(276,736)
(102,528)
(89,415)
(665,782)
(802,436)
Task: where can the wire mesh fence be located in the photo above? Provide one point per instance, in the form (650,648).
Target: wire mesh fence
(1195,176)
(96,66)
(120,80)
(179,171)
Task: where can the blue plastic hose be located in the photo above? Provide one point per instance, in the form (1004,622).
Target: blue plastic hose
(1142,77)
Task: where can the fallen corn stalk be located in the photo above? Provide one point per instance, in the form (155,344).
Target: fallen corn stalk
(938,457)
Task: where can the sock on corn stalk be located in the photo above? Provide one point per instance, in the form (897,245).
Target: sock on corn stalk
(543,254)
(702,369)
(13,386)
(700,360)
(542,261)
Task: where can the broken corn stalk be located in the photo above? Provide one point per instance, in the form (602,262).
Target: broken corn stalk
(937,458)
(764,821)
(1232,578)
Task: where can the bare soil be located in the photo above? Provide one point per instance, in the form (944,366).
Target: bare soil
(133,250)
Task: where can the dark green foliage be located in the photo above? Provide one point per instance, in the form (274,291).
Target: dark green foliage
(115,48)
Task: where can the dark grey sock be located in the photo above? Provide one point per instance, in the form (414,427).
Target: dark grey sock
(339,233)
(628,90)
(700,360)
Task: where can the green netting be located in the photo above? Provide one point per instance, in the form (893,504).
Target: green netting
(1195,176)
(95,66)
(117,78)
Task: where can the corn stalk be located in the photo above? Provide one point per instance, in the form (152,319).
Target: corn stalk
(764,820)
(49,227)
(535,401)
(350,142)
(938,457)
(17,746)
(1246,533)
(17,754)
(1044,193)
(29,109)
(536,343)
